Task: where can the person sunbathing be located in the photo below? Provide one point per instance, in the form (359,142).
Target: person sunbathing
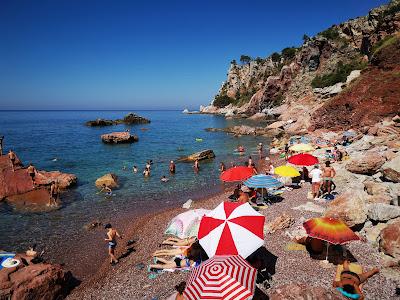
(194,258)
(181,250)
(173,241)
(349,284)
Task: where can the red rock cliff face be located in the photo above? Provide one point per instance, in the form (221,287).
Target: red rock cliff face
(375,95)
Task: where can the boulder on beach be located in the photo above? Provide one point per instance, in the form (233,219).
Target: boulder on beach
(369,164)
(34,281)
(389,240)
(109,180)
(383,212)
(204,154)
(391,169)
(302,291)
(348,207)
(119,138)
(129,119)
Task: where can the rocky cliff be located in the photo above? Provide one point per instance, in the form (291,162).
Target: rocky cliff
(319,73)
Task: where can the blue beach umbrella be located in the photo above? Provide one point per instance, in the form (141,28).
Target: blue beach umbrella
(263,181)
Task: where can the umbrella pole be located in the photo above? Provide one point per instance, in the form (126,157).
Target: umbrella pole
(327,249)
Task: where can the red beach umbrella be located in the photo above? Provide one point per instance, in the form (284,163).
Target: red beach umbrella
(222,277)
(231,229)
(303,159)
(237,174)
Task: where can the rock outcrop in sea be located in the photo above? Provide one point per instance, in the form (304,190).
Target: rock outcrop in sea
(201,155)
(119,138)
(16,187)
(129,119)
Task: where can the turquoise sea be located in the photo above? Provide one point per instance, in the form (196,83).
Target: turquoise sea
(41,137)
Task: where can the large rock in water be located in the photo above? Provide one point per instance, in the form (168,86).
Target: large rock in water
(34,281)
(383,212)
(129,119)
(348,207)
(19,182)
(302,291)
(205,154)
(110,180)
(389,240)
(368,164)
(391,169)
(119,138)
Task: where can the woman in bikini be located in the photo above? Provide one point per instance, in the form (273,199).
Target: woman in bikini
(179,250)
(172,241)
(349,284)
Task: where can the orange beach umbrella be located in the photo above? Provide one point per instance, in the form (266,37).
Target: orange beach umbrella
(333,231)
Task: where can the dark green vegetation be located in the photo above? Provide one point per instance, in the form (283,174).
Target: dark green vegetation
(339,75)
(245,59)
(223,100)
(289,52)
(330,34)
(386,41)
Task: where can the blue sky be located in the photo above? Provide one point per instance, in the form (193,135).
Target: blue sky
(97,54)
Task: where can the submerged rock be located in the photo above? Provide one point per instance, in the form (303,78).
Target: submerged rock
(100,122)
(205,154)
(109,180)
(119,138)
(33,201)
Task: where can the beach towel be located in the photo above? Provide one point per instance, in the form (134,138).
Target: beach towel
(291,246)
(4,256)
(356,268)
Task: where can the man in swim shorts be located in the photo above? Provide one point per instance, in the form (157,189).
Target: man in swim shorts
(12,157)
(112,235)
(328,173)
(172,167)
(32,173)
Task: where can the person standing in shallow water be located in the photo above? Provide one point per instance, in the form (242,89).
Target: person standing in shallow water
(112,235)
(196,166)
(54,193)
(172,167)
(222,167)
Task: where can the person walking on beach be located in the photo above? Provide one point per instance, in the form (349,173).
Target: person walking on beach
(315,176)
(32,173)
(1,145)
(54,193)
(112,235)
(287,151)
(12,157)
(172,167)
(196,166)
(328,174)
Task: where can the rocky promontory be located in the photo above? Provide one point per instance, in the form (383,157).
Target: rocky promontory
(119,138)
(204,154)
(129,119)
(16,186)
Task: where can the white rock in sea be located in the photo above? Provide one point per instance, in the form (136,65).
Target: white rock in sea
(187,204)
(185,111)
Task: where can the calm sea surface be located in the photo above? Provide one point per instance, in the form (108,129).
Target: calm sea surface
(41,136)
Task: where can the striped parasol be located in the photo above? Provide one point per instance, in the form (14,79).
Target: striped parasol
(222,277)
(262,181)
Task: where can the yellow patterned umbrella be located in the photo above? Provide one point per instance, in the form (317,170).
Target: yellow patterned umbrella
(287,171)
(301,148)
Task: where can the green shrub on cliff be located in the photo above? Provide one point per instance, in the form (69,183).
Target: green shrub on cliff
(330,34)
(275,57)
(245,59)
(222,100)
(339,75)
(289,52)
(386,41)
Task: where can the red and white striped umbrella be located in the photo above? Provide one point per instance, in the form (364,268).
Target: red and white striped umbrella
(231,229)
(222,277)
